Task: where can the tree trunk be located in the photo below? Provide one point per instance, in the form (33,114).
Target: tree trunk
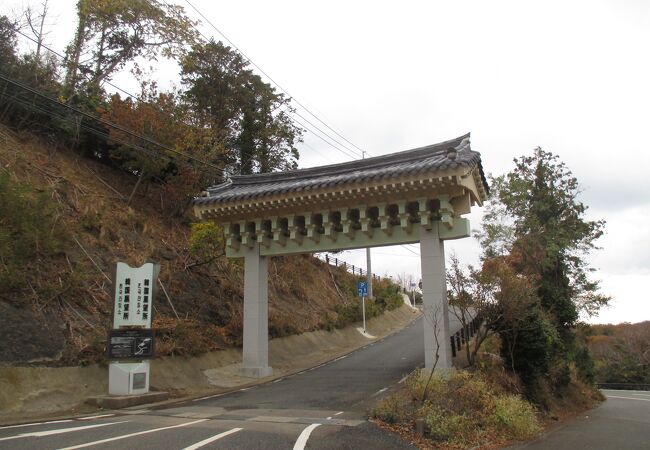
(135,188)
(73,57)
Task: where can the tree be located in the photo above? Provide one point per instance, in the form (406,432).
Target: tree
(536,216)
(8,57)
(496,295)
(245,115)
(35,21)
(537,222)
(116,32)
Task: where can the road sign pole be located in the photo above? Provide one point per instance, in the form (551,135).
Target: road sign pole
(363,307)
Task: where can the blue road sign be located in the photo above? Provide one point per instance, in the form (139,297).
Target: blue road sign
(362,288)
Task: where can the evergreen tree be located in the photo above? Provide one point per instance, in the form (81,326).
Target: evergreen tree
(536,221)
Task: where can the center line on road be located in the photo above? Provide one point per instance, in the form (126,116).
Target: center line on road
(59,431)
(212,439)
(117,438)
(304,436)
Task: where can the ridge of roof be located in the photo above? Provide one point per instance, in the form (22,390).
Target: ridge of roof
(338,168)
(447,154)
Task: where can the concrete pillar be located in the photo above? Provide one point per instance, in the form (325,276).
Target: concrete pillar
(256,315)
(434,299)
(369,273)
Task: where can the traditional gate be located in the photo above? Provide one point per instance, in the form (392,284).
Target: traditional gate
(412,196)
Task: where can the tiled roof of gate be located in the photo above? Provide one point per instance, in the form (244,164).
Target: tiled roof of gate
(432,158)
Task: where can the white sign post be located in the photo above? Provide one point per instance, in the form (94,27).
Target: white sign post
(362,289)
(134,291)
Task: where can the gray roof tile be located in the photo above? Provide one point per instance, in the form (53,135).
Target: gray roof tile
(432,158)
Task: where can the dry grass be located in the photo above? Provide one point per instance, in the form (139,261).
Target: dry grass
(99,229)
(464,411)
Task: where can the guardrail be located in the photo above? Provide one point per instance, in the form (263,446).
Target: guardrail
(625,386)
(463,336)
(337,262)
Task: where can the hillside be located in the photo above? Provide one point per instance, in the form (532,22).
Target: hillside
(65,222)
(621,352)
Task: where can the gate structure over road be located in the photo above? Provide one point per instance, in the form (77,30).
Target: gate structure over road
(412,196)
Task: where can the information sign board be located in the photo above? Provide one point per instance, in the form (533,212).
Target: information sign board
(128,344)
(134,293)
(362,288)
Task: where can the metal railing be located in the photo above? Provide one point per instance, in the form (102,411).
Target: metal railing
(337,262)
(463,336)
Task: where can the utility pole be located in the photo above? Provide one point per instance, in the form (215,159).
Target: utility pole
(368,262)
(369,274)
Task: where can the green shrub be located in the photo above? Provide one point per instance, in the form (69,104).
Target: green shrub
(27,230)
(516,417)
(391,409)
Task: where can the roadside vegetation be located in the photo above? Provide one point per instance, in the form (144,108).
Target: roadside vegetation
(529,361)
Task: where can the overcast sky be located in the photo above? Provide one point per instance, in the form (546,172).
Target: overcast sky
(570,76)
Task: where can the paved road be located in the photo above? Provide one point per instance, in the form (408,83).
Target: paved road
(321,408)
(622,422)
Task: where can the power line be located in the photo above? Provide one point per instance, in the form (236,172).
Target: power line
(62,57)
(323,139)
(271,79)
(107,123)
(353,155)
(408,249)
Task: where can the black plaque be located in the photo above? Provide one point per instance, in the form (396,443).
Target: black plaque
(130,344)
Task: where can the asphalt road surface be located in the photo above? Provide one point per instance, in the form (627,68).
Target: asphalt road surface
(320,408)
(622,422)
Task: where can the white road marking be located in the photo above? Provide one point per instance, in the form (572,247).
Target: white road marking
(341,357)
(278,380)
(95,417)
(340,412)
(403,379)
(117,438)
(379,392)
(209,396)
(35,423)
(630,398)
(135,411)
(59,431)
(304,436)
(212,439)
(329,418)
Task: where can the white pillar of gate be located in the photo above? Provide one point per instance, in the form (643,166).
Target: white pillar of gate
(255,361)
(434,300)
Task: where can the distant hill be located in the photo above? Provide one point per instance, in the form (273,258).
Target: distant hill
(621,352)
(65,222)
